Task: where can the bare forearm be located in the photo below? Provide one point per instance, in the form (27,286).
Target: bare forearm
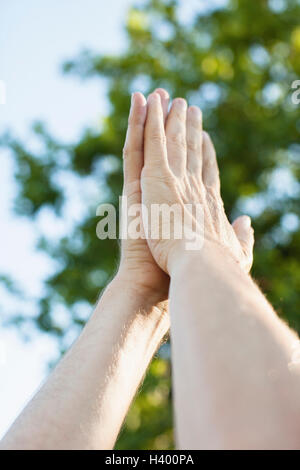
(231,359)
(84,402)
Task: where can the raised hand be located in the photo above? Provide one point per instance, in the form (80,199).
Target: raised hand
(180,168)
(137,263)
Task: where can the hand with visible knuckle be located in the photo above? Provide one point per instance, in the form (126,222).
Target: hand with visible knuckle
(193,164)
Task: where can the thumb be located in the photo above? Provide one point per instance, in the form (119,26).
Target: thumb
(245,235)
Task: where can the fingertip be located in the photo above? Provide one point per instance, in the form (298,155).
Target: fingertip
(180,103)
(243,228)
(155,105)
(194,116)
(245,222)
(206,137)
(163,93)
(153,98)
(138,110)
(138,98)
(165,98)
(195,110)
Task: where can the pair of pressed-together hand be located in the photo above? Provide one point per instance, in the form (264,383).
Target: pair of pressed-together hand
(235,370)
(169,159)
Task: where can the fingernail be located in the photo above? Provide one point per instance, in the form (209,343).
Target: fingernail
(165,93)
(153,97)
(132,98)
(180,102)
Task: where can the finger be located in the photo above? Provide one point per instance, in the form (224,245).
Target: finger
(176,136)
(133,148)
(165,98)
(155,151)
(245,235)
(210,170)
(194,140)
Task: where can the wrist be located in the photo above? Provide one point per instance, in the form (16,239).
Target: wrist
(145,277)
(210,256)
(146,304)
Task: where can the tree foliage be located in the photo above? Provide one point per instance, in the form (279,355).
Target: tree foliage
(237,63)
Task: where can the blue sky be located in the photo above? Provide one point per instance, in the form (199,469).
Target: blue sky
(35,39)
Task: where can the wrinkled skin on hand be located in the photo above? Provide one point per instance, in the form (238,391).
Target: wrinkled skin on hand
(169,159)
(180,167)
